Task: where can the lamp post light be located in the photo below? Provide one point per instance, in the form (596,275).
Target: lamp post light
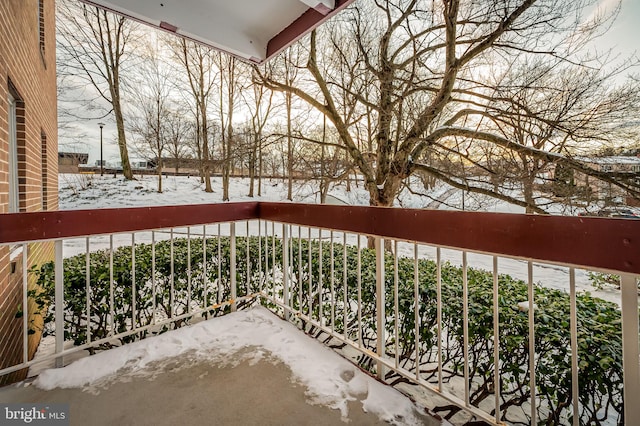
(101,160)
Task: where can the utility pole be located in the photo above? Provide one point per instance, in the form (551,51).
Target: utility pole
(101,160)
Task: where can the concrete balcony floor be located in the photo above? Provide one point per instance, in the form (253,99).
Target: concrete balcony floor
(204,393)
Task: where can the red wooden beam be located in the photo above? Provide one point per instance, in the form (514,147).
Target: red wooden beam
(37,226)
(307,22)
(600,243)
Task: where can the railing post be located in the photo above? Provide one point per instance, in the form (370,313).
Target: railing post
(285,270)
(380,314)
(232,265)
(630,348)
(59,302)
(260,281)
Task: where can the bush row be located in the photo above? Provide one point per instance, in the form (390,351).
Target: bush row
(199,275)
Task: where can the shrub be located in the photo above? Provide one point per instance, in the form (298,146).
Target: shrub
(601,281)
(208,285)
(599,329)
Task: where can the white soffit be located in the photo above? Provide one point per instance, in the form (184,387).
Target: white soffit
(255,30)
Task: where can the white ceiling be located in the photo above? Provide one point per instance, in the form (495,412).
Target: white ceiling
(245,28)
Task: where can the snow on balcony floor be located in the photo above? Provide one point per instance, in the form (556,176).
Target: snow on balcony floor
(238,341)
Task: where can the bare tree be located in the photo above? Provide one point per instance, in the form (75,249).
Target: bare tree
(291,57)
(565,110)
(260,105)
(94,47)
(230,87)
(327,164)
(545,106)
(179,130)
(399,78)
(286,69)
(151,94)
(197,61)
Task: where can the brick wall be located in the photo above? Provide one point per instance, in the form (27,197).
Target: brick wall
(27,71)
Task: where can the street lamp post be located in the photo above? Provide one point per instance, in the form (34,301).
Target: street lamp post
(101,160)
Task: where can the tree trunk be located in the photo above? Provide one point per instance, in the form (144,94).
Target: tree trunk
(324,190)
(252,166)
(205,154)
(159,170)
(251,179)
(383,197)
(527,183)
(199,147)
(324,182)
(289,168)
(225,178)
(230,162)
(227,165)
(114,88)
(122,140)
(228,141)
(205,168)
(259,171)
(202,104)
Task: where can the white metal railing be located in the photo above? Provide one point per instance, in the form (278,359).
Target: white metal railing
(216,293)
(385,350)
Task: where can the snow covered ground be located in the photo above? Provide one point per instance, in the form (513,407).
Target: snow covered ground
(85,191)
(251,335)
(92,191)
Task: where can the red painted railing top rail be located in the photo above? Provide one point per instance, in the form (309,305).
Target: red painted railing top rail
(599,243)
(38,226)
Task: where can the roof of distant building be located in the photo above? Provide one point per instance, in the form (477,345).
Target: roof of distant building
(614,159)
(82,157)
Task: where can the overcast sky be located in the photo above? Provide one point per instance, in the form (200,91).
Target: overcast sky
(623,38)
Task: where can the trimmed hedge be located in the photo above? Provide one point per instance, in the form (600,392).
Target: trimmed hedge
(599,322)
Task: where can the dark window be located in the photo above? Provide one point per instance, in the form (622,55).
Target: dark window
(17,152)
(45,194)
(41,25)
(14,200)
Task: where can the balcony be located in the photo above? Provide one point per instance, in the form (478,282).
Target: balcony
(417,298)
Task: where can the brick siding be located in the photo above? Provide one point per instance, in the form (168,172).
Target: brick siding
(27,65)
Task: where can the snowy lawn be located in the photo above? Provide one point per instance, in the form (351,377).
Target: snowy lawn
(94,192)
(250,335)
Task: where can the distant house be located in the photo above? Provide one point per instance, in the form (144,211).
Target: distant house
(28,166)
(616,163)
(142,164)
(612,164)
(599,189)
(136,164)
(69,162)
(188,165)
